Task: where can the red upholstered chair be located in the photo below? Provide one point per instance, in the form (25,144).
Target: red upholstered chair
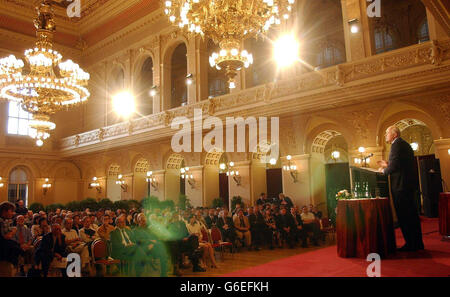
(216,238)
(327,227)
(100,254)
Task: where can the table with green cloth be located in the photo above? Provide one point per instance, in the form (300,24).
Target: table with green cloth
(364,226)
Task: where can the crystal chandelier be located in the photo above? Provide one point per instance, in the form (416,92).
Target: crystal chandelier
(228,23)
(43,89)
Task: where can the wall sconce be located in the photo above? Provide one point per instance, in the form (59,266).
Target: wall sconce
(448,151)
(152,180)
(234,174)
(188,177)
(95,184)
(153,91)
(189,79)
(46,186)
(1,183)
(354,25)
(364,160)
(121,182)
(291,168)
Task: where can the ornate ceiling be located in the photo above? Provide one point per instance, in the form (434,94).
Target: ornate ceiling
(98,20)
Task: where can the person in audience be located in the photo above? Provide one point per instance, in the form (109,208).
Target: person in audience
(88,234)
(24,239)
(180,243)
(317,213)
(226,227)
(74,243)
(211,218)
(92,225)
(262,199)
(270,230)
(39,230)
(105,229)
(53,246)
(10,250)
(310,224)
(123,246)
(255,228)
(200,219)
(285,202)
(236,210)
(298,230)
(77,225)
(20,208)
(195,228)
(287,227)
(150,243)
(242,227)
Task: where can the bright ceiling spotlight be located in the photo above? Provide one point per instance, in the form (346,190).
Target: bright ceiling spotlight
(123,104)
(415,146)
(286,50)
(361,149)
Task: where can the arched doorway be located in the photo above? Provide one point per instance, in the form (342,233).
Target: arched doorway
(18,185)
(330,170)
(141,188)
(113,190)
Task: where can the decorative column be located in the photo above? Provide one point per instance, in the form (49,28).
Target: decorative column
(191,69)
(202,67)
(157,76)
(435,29)
(357,45)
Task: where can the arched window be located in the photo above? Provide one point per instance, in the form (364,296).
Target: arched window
(423,34)
(144,104)
(18,120)
(18,186)
(384,41)
(264,68)
(116,83)
(217,82)
(329,55)
(178,76)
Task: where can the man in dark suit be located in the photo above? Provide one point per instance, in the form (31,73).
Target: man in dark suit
(211,218)
(226,227)
(124,247)
(403,184)
(53,245)
(287,227)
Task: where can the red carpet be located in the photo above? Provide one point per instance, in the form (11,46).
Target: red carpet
(433,261)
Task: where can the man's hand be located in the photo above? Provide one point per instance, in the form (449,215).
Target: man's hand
(383,164)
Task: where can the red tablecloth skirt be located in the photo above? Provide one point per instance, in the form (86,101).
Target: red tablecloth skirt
(444,215)
(364,226)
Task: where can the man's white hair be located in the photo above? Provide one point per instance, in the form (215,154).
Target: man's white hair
(395,129)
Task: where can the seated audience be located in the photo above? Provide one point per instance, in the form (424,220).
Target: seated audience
(285,202)
(10,250)
(53,246)
(106,228)
(24,239)
(226,227)
(74,243)
(181,243)
(211,218)
(150,243)
(195,228)
(123,246)
(242,227)
(310,224)
(287,227)
(271,234)
(20,208)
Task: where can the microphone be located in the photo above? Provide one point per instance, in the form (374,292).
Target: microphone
(368,156)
